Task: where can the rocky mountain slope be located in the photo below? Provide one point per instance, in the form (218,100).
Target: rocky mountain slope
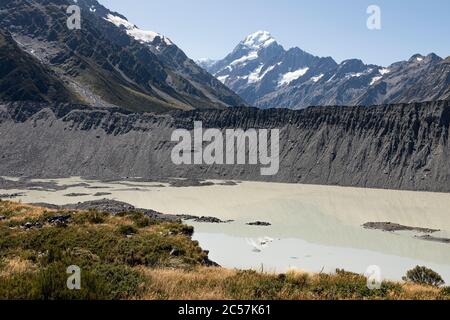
(268,76)
(403,146)
(109,61)
(23,77)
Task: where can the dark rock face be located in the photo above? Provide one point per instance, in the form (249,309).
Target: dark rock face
(203,219)
(102,194)
(23,77)
(10,195)
(434,239)
(74,195)
(391,227)
(60,221)
(404,146)
(268,76)
(259,224)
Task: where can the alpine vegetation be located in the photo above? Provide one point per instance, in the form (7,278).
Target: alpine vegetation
(236,146)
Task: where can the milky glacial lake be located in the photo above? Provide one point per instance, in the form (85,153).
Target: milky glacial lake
(313,228)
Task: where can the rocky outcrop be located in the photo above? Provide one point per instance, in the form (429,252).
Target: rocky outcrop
(105,205)
(392,227)
(401,146)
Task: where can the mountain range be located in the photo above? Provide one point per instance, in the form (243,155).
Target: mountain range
(266,75)
(108,62)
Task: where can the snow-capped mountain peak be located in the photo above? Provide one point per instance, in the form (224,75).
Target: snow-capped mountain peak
(258,40)
(133,31)
(259,66)
(268,76)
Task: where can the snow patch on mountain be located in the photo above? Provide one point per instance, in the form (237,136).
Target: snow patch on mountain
(291,76)
(354,75)
(255,75)
(316,79)
(223,79)
(133,31)
(332,78)
(269,69)
(251,56)
(375,80)
(358,74)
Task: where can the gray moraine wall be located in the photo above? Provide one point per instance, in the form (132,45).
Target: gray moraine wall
(404,146)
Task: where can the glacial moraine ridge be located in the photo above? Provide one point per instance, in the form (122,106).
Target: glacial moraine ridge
(402,146)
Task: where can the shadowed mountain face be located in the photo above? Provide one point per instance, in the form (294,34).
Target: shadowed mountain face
(109,61)
(268,76)
(404,146)
(23,77)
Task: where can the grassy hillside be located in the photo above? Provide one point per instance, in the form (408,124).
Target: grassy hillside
(130,256)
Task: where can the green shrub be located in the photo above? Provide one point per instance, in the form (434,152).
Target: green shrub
(446,292)
(143,222)
(91,216)
(93,241)
(424,276)
(99,281)
(127,230)
(178,228)
(139,218)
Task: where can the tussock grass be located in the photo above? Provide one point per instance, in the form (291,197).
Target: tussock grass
(223,284)
(15,211)
(16,265)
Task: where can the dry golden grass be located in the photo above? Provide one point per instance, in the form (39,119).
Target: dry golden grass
(205,283)
(117,221)
(418,292)
(16,265)
(174,284)
(16,211)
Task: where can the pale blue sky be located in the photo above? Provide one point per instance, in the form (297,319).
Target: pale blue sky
(212,28)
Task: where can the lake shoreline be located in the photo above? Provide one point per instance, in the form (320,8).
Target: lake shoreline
(303,226)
